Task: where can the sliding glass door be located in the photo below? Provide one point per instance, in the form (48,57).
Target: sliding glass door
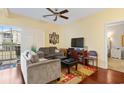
(10,40)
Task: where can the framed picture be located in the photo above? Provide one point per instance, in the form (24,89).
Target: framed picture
(53,38)
(57,38)
(50,38)
(122,40)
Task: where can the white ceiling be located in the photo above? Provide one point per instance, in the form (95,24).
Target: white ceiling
(73,14)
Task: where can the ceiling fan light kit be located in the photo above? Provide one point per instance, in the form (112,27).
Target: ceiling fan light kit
(57,14)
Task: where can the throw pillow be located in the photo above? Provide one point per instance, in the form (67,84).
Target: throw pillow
(40,54)
(34,59)
(31,56)
(56,50)
(27,55)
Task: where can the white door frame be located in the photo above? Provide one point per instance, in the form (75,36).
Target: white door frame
(105,38)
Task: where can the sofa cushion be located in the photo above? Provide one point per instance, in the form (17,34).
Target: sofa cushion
(45,50)
(40,54)
(52,49)
(50,55)
(58,54)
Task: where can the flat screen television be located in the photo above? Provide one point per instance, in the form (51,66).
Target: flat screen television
(77,42)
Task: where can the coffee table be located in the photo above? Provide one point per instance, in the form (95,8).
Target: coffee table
(69,63)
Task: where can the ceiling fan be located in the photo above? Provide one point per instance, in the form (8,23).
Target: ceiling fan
(57,14)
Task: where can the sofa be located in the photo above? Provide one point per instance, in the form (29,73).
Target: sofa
(41,72)
(50,52)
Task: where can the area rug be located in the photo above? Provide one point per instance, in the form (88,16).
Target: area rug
(7,66)
(78,76)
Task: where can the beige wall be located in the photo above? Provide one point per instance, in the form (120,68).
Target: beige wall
(92,29)
(32,31)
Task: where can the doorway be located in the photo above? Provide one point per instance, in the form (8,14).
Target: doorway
(10,42)
(114,46)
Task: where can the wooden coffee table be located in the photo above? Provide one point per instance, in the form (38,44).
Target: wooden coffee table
(69,64)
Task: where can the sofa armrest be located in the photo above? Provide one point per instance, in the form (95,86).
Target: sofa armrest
(24,67)
(43,62)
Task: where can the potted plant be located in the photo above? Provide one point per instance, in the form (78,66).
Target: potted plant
(34,49)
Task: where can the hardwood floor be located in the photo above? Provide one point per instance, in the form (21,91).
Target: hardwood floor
(11,76)
(116,64)
(102,76)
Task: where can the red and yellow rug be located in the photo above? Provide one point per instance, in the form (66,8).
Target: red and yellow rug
(76,77)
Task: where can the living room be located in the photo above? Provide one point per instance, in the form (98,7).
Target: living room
(90,24)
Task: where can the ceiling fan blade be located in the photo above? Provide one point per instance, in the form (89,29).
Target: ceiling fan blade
(65,17)
(48,15)
(55,18)
(64,11)
(50,10)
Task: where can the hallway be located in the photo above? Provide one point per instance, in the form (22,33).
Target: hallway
(116,64)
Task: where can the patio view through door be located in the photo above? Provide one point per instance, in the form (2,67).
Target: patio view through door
(10,40)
